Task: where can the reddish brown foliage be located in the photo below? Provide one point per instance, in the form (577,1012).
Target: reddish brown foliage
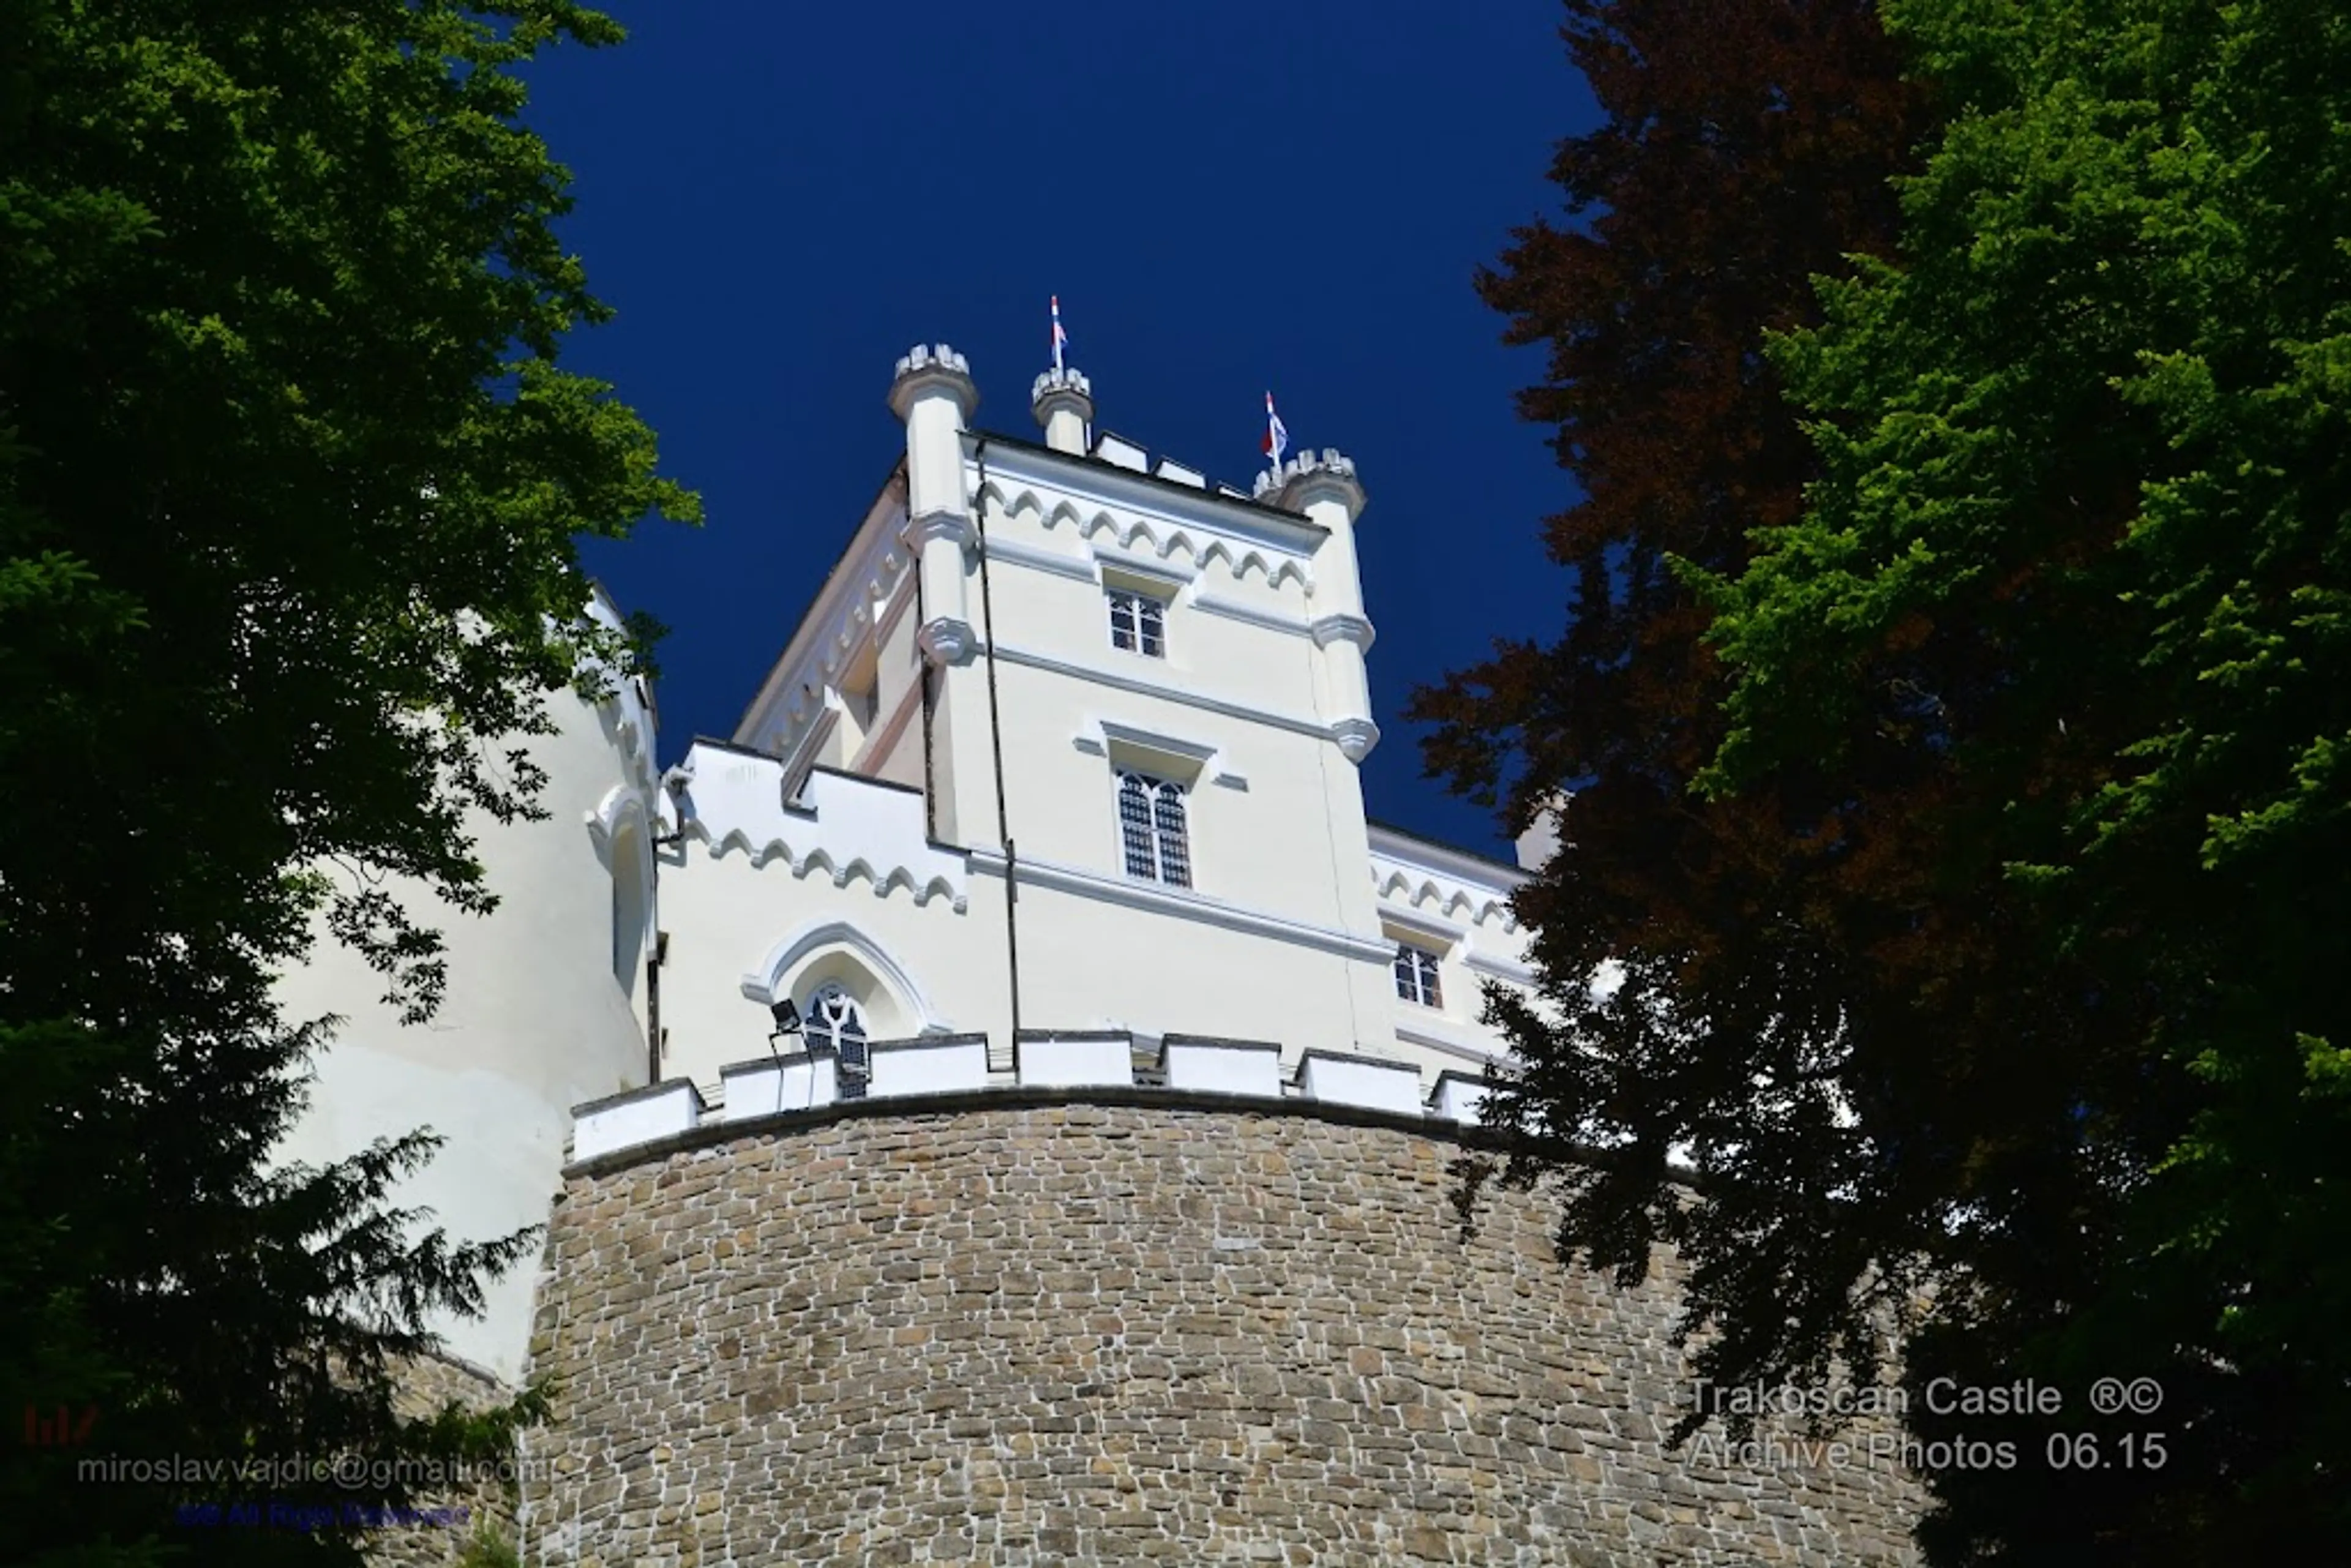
(1748,147)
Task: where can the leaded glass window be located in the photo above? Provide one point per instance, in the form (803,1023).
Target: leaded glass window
(1416,976)
(1151,830)
(833,1022)
(1138,623)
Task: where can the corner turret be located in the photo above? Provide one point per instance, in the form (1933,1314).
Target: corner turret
(1063,402)
(934,394)
(1323,486)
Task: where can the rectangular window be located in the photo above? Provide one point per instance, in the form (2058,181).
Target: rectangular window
(1151,830)
(1416,976)
(1138,623)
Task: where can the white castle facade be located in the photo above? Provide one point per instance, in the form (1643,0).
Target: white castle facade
(1055,784)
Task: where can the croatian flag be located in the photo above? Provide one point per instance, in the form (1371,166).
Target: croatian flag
(1060,339)
(1276,439)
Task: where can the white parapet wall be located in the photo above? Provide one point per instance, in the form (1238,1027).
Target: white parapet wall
(1198,1065)
(1459,1097)
(1361,1081)
(802,1082)
(848,828)
(1042,1059)
(639,1116)
(1049,1059)
(943,1066)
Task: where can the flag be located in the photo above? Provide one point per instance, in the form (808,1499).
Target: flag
(1060,339)
(1276,439)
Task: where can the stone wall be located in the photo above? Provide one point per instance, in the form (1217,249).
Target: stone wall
(1119,1327)
(447,1520)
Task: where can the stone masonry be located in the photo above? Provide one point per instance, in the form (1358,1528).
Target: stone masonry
(1119,1327)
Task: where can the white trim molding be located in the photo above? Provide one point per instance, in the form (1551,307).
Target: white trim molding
(1184,905)
(1342,627)
(1355,737)
(1249,616)
(1422,926)
(1337,732)
(952,526)
(1053,562)
(1168,576)
(1495,968)
(1422,1032)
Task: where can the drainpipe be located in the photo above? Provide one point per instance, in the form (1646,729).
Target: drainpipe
(995,740)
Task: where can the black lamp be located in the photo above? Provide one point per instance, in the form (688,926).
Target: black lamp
(787,1016)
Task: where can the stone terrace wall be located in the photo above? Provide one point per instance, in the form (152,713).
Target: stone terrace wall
(1043,1332)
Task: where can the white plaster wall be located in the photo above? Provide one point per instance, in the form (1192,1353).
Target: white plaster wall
(732,908)
(534,1021)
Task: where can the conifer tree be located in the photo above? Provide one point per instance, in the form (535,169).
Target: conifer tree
(289,486)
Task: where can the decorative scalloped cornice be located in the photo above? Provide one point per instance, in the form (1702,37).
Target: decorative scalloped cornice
(733,802)
(1426,889)
(801,864)
(1201,551)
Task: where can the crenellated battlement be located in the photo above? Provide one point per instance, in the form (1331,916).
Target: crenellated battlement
(1184,1068)
(1066,382)
(925,368)
(942,360)
(1308,464)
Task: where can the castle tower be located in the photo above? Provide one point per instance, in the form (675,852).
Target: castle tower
(545,1008)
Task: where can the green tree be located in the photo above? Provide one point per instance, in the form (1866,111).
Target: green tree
(2037,708)
(289,486)
(2078,578)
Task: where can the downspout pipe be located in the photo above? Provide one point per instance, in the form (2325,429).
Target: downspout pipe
(996,742)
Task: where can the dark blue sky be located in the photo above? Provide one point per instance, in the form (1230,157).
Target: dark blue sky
(780,200)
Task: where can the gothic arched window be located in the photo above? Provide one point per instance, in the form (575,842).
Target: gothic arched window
(1151,829)
(832,1021)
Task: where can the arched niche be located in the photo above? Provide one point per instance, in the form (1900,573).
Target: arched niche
(836,952)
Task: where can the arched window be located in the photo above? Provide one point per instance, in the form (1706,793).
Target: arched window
(1151,829)
(832,1021)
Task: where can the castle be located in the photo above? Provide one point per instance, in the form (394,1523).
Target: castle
(997,1106)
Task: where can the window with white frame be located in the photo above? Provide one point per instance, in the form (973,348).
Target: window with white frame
(1138,623)
(832,1022)
(1151,829)
(1416,976)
